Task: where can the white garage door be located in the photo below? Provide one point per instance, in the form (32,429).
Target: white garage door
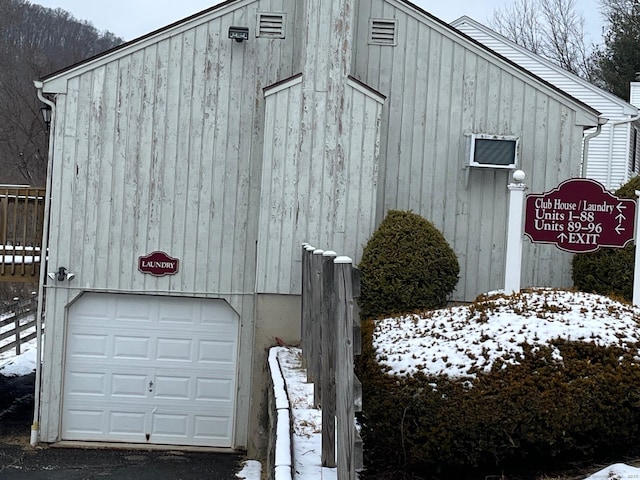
(148,369)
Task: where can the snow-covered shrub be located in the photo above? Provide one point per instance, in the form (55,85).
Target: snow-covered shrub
(608,271)
(552,376)
(406,265)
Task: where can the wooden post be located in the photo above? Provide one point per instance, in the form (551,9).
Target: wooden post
(14,230)
(636,271)
(17,312)
(4,215)
(344,368)
(305,320)
(328,376)
(315,339)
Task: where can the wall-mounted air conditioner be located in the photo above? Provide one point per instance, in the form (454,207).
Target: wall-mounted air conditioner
(493,151)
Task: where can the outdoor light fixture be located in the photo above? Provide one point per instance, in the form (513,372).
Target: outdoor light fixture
(61,275)
(45,110)
(239,33)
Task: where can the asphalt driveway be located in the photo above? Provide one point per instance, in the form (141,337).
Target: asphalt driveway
(18,460)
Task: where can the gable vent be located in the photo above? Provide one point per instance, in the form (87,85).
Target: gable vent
(270,25)
(382,31)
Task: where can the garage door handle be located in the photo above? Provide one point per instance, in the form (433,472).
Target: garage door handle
(151,386)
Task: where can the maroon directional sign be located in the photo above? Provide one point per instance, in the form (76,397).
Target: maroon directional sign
(158,264)
(580,215)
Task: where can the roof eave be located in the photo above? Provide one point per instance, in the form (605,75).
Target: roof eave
(55,82)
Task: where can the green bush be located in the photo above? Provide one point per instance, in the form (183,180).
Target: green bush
(517,417)
(608,271)
(407,265)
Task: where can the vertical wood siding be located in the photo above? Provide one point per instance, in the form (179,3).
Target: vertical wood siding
(159,148)
(609,159)
(313,197)
(321,153)
(455,88)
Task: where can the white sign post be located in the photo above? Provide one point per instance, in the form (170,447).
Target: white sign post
(513,263)
(636,271)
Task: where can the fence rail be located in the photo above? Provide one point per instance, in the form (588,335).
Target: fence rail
(22,316)
(21,223)
(330,338)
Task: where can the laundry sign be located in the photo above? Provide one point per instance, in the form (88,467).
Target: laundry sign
(580,215)
(158,264)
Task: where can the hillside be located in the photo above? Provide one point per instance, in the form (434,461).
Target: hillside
(35,41)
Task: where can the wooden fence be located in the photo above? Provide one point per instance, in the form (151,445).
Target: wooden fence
(330,339)
(21,223)
(22,316)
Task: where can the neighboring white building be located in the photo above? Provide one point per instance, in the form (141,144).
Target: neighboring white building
(614,154)
(226,155)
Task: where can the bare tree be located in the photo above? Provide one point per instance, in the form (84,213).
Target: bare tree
(35,41)
(551,28)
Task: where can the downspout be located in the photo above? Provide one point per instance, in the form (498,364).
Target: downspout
(610,156)
(35,426)
(585,146)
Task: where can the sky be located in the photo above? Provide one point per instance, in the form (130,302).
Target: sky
(130,19)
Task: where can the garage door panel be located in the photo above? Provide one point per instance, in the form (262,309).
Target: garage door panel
(131,348)
(128,385)
(88,423)
(127,423)
(214,389)
(216,351)
(128,309)
(172,349)
(208,428)
(153,370)
(172,387)
(178,314)
(175,424)
(86,383)
(88,345)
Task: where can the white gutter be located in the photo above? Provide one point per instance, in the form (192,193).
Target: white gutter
(611,135)
(35,426)
(585,145)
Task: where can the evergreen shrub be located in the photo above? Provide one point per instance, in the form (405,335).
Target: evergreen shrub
(608,271)
(406,265)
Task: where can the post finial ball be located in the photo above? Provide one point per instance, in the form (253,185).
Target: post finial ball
(519,176)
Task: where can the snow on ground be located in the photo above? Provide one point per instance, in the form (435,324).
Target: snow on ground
(10,339)
(21,365)
(251,470)
(461,340)
(306,420)
(619,471)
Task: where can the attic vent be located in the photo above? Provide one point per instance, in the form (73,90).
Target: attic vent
(382,32)
(271,25)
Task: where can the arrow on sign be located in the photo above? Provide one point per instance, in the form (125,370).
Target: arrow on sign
(620,217)
(621,207)
(562,237)
(619,229)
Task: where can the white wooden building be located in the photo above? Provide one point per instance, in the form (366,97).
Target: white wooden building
(614,153)
(226,155)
